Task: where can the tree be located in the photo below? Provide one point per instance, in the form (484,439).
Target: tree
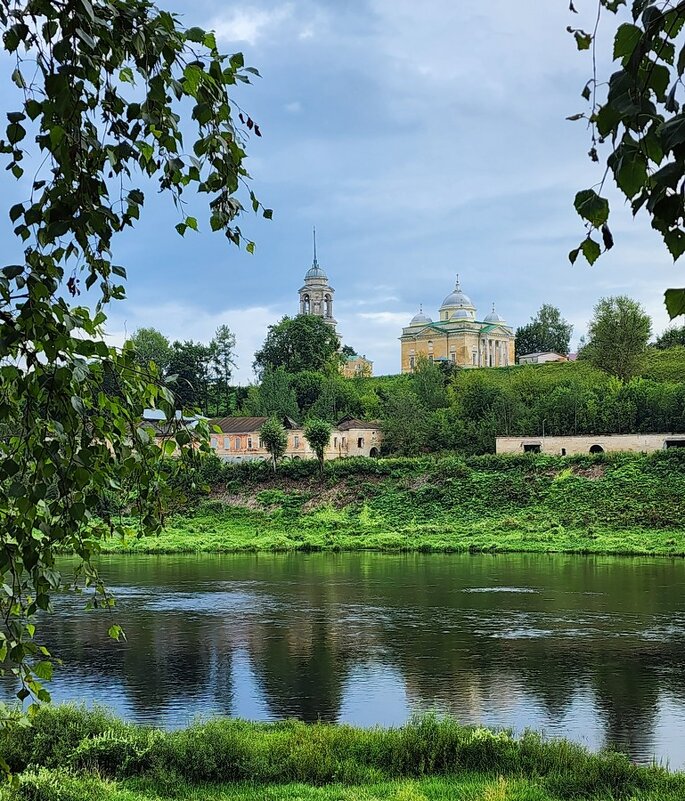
(318,435)
(428,382)
(336,399)
(275,439)
(151,346)
(547,331)
(222,363)
(640,124)
(618,336)
(189,367)
(299,343)
(275,396)
(105,91)
(307,386)
(405,424)
(671,338)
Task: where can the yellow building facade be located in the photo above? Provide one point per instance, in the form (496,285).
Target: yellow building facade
(457,336)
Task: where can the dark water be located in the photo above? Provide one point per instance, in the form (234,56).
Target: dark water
(588,648)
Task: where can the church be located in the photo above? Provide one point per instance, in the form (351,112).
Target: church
(316,297)
(457,336)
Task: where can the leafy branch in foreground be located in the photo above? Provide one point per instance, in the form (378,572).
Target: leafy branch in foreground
(641,121)
(104,89)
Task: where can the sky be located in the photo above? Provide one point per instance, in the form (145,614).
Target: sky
(422,140)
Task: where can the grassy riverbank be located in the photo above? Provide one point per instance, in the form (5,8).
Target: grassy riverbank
(605,504)
(69,754)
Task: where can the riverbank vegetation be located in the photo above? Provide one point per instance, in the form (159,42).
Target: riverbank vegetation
(603,504)
(68,753)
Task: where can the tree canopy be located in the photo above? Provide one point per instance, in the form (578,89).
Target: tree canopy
(671,338)
(106,94)
(304,342)
(275,439)
(618,336)
(318,434)
(637,126)
(547,331)
(151,346)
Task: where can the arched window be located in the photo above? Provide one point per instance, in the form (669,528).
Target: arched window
(327,306)
(306,305)
(237,443)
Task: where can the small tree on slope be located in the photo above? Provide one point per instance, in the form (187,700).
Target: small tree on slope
(318,435)
(275,439)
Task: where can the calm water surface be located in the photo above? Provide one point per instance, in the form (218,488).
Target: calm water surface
(588,648)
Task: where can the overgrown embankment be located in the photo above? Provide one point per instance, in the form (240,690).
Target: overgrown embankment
(610,503)
(69,754)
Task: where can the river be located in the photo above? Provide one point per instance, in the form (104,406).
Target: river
(590,648)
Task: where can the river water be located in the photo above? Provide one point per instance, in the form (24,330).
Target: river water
(590,648)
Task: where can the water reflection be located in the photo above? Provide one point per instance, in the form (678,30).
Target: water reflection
(590,648)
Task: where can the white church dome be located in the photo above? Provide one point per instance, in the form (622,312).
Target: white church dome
(493,317)
(420,318)
(457,298)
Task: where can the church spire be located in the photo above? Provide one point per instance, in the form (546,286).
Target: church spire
(314,263)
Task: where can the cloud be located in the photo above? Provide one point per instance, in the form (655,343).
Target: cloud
(423,140)
(249,24)
(180,321)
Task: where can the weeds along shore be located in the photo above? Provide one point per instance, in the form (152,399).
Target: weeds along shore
(70,753)
(605,504)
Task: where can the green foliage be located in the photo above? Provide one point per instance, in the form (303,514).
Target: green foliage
(637,116)
(304,342)
(618,336)
(222,364)
(608,503)
(151,346)
(428,383)
(673,337)
(318,434)
(275,439)
(547,331)
(103,94)
(273,397)
(337,398)
(405,423)
(212,760)
(188,373)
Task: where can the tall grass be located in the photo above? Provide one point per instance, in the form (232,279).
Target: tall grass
(77,744)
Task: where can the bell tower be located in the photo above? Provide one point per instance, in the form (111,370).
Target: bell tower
(316,296)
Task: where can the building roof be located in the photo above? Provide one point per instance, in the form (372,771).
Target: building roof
(251,425)
(493,317)
(457,298)
(247,425)
(315,272)
(541,353)
(420,318)
(352,422)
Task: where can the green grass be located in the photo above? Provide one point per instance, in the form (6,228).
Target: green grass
(69,754)
(608,504)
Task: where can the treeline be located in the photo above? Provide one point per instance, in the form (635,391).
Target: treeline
(618,385)
(435,410)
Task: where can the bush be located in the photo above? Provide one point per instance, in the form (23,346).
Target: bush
(49,785)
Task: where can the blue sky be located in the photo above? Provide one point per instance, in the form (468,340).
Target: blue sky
(422,140)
